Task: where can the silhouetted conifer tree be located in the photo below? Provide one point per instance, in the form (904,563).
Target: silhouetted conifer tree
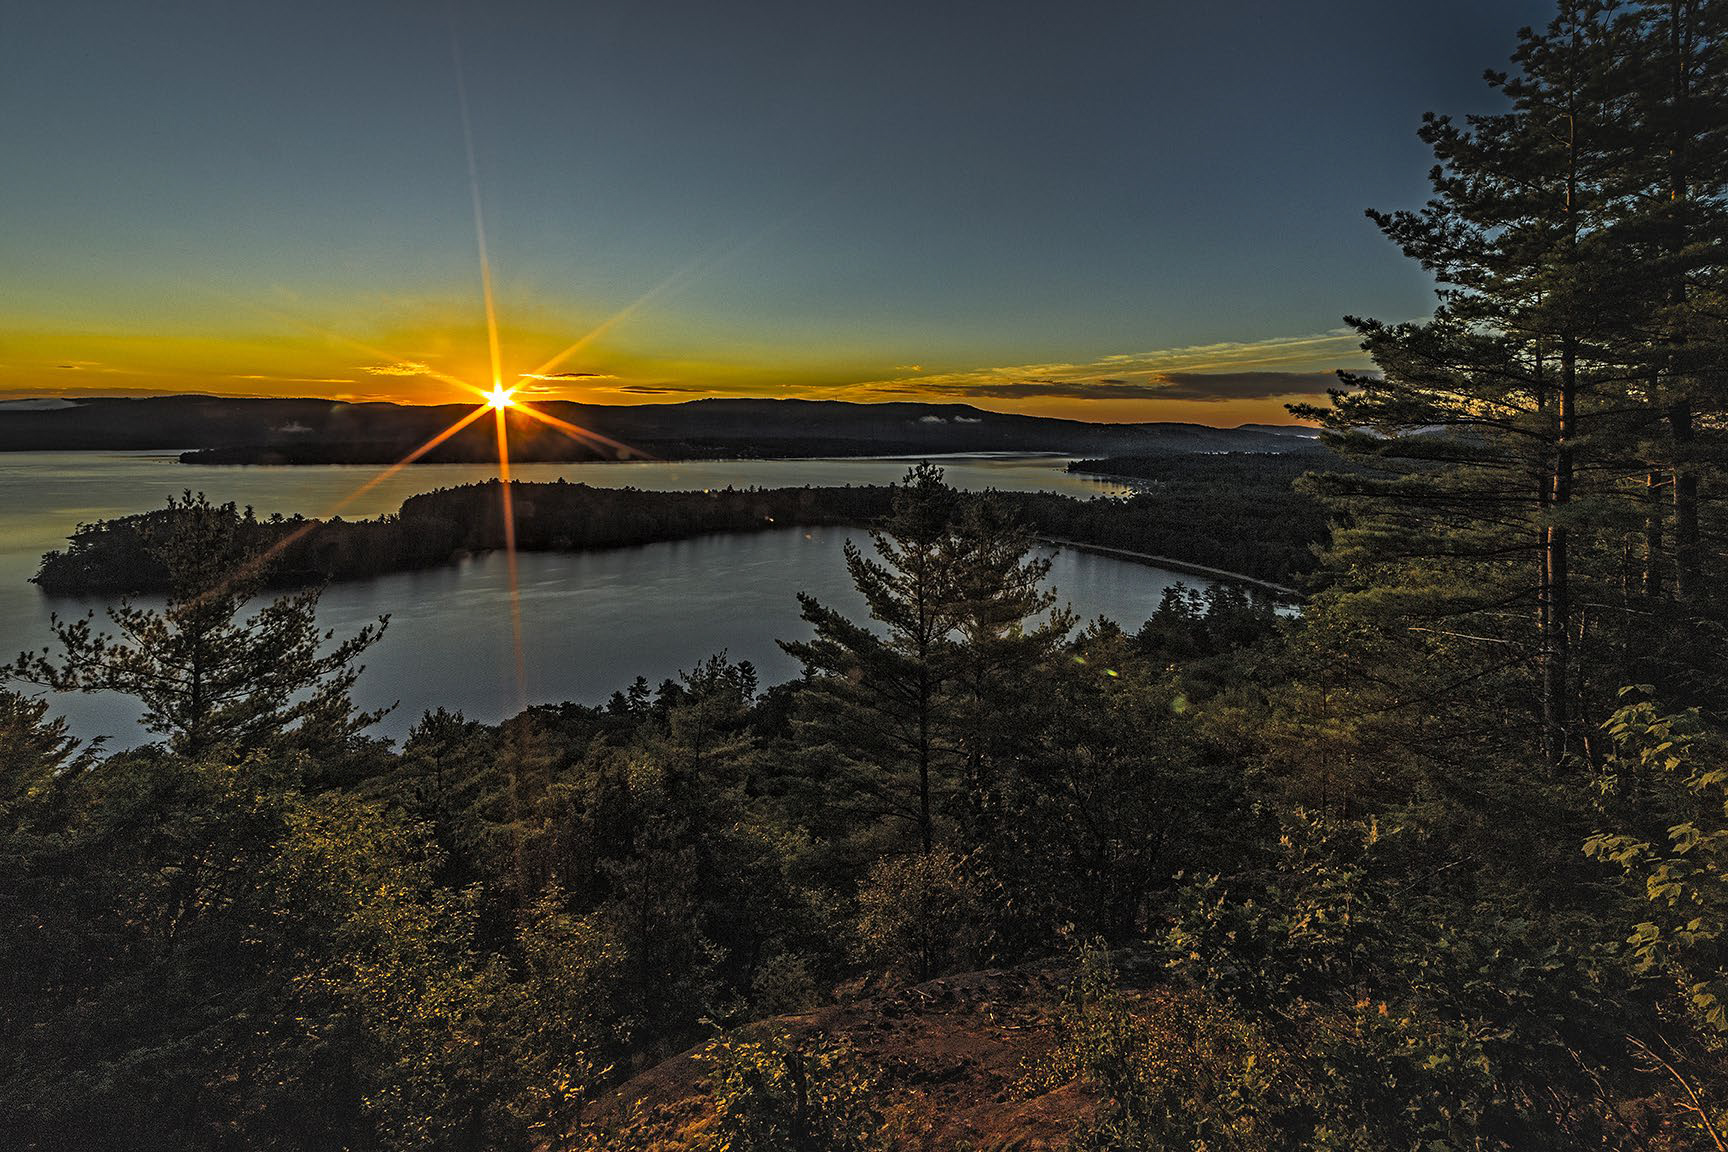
(207,678)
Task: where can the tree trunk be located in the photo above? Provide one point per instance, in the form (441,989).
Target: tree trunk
(1653,514)
(1556,644)
(1556,620)
(1685,503)
(1680,49)
(926,830)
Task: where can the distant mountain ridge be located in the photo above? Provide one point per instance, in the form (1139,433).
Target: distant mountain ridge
(241,430)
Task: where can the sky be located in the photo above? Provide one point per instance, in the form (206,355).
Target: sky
(1100,210)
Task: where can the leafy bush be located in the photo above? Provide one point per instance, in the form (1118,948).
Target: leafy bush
(1675,764)
(920,914)
(1686,880)
(1201,1077)
(771,1096)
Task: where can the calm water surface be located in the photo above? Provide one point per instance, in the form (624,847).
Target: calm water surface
(591,622)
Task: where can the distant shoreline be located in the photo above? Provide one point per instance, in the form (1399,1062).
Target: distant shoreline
(236,430)
(198,458)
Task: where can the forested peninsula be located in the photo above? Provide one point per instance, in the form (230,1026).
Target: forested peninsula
(1245,524)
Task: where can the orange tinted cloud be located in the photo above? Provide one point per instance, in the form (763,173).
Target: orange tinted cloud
(1228,382)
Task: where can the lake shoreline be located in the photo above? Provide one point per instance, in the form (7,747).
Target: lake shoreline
(1174,565)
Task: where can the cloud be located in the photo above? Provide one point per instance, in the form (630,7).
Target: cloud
(297,379)
(1046,388)
(399,368)
(92,366)
(1244,385)
(567,376)
(108,392)
(37,404)
(1227,370)
(663,387)
(1202,386)
(659,389)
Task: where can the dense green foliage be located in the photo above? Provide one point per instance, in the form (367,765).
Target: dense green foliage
(279,931)
(770,1096)
(1535,463)
(1241,510)
(306,940)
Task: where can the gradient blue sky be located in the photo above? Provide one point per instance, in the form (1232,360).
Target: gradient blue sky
(1106,210)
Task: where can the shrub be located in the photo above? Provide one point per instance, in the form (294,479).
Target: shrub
(772,1096)
(920,915)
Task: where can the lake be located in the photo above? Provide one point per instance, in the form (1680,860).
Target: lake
(591,622)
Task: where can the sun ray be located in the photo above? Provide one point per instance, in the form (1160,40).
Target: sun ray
(678,277)
(371,350)
(507,508)
(256,563)
(446,378)
(409,459)
(684,274)
(576,432)
(591,335)
(479,218)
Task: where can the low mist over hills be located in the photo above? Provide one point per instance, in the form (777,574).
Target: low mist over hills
(220,430)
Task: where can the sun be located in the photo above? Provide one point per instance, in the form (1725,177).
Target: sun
(501,397)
